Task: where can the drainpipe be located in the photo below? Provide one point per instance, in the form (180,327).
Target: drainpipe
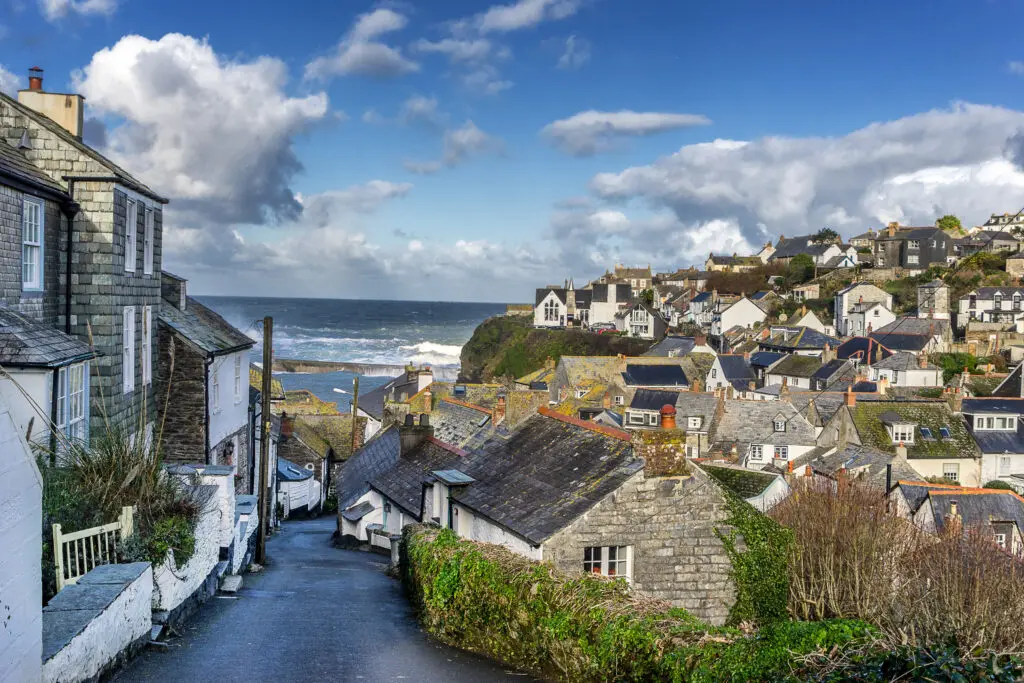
(206,402)
(71,211)
(53,416)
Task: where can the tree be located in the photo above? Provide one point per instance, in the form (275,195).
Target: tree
(825,236)
(647,296)
(800,269)
(948,222)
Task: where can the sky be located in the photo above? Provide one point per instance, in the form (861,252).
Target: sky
(472,151)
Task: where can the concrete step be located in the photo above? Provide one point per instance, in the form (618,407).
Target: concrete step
(231,583)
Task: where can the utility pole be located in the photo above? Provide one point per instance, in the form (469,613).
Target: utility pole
(268,368)
(355,410)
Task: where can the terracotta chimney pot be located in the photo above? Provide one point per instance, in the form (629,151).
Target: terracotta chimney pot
(668,417)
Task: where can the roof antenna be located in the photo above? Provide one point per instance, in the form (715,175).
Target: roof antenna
(25,142)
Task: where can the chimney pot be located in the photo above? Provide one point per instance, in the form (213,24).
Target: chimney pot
(410,421)
(668,416)
(424,420)
(35,78)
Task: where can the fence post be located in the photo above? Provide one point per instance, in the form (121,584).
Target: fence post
(127,522)
(58,556)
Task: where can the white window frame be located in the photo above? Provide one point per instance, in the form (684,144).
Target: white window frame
(620,400)
(238,378)
(913,260)
(128,346)
(653,419)
(951,471)
(693,422)
(148,245)
(782,452)
(598,560)
(902,433)
(636,418)
(215,389)
(34,246)
(131,235)
(580,393)
(756,452)
(552,311)
(1005,465)
(779,425)
(72,417)
(147,345)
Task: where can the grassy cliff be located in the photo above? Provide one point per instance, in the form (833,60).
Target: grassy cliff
(510,346)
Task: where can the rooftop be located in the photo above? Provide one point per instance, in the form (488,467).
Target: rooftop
(27,343)
(935,415)
(204,329)
(741,481)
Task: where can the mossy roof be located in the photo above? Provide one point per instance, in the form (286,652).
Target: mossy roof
(324,432)
(483,395)
(741,481)
(545,374)
(796,366)
(256,382)
(867,418)
(305,402)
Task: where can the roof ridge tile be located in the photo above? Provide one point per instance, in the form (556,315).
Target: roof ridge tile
(594,427)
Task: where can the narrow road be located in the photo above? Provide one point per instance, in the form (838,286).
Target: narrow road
(315,613)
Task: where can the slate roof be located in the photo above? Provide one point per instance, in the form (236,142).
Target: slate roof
(56,129)
(403,483)
(703,296)
(833,371)
(934,414)
(836,261)
(824,404)
(325,433)
(797,366)
(357,512)
(747,422)
(583,298)
(990,292)
(655,376)
(692,404)
(671,347)
(791,246)
(867,463)
(992,441)
(651,399)
(798,338)
(548,473)
(898,341)
(458,424)
(1011,406)
(1013,385)
(542,293)
(915,491)
(377,456)
(599,293)
(976,507)
(913,325)
(862,349)
(27,343)
(903,361)
(741,481)
(289,471)
(765,359)
(204,328)
(372,402)
(14,165)
(737,371)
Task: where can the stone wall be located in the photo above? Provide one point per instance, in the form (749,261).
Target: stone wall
(183,407)
(93,625)
(670,523)
(21,523)
(177,589)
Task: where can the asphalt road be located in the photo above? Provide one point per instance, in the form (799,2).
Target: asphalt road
(315,613)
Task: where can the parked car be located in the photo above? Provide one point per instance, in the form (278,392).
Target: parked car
(601,328)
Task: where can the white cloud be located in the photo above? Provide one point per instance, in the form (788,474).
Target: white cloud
(365,198)
(592,131)
(457,50)
(423,110)
(372,116)
(9,82)
(912,169)
(212,134)
(577,53)
(472,60)
(485,79)
(360,53)
(57,9)
(458,145)
(524,14)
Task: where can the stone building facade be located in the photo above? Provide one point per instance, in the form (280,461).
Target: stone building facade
(40,305)
(102,296)
(669,524)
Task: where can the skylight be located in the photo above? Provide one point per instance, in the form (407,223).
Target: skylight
(926,432)
(945,432)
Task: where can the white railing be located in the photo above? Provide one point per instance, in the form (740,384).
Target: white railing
(77,553)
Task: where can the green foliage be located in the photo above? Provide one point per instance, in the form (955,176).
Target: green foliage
(825,236)
(929,392)
(761,570)
(954,363)
(939,663)
(580,627)
(799,270)
(647,296)
(948,222)
(330,504)
(999,484)
(175,533)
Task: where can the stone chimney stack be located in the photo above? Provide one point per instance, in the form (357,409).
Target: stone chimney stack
(498,414)
(173,290)
(901,452)
(922,361)
(827,354)
(411,435)
(66,109)
(668,417)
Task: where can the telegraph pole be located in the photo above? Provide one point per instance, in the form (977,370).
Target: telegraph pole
(268,367)
(355,409)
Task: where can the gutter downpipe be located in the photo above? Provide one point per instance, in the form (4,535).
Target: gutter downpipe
(53,416)
(206,411)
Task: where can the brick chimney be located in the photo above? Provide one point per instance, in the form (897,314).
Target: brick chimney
(173,290)
(606,400)
(700,340)
(411,435)
(696,385)
(287,425)
(901,451)
(66,109)
(851,398)
(922,361)
(827,354)
(784,391)
(498,414)
(958,401)
(668,416)
(883,386)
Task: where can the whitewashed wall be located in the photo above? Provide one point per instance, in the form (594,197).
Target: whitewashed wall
(225,504)
(37,384)
(126,620)
(233,414)
(172,584)
(21,593)
(477,528)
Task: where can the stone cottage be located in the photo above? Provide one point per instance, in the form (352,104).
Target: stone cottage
(104,285)
(203,385)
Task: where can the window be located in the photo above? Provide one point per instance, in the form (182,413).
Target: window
(756,451)
(997,301)
(944,431)
(619,400)
(653,419)
(238,379)
(951,471)
(32,244)
(636,418)
(607,561)
(903,433)
(72,399)
(551,311)
(580,393)
(1001,540)
(147,245)
(780,425)
(693,422)
(927,433)
(131,229)
(782,452)
(147,345)
(1016,302)
(215,389)
(913,259)
(972,301)
(913,244)
(1004,465)
(128,344)
(714,373)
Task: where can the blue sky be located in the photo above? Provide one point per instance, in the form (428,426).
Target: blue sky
(475,150)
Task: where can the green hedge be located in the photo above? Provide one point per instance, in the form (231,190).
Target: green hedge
(583,628)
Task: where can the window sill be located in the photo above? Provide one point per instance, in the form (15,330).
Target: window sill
(33,292)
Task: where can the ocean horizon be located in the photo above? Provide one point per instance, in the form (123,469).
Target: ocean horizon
(364,331)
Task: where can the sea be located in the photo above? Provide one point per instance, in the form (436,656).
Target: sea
(377,335)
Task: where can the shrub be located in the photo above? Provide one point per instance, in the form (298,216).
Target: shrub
(999,484)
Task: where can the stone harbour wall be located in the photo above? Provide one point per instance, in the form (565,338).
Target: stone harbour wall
(670,524)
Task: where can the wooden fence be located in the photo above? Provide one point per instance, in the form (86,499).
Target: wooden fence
(77,553)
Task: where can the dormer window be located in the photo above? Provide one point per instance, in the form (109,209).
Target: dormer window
(693,422)
(1006,423)
(901,433)
(913,244)
(780,424)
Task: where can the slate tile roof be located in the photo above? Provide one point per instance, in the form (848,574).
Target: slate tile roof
(324,433)
(27,343)
(993,441)
(671,347)
(864,349)
(548,473)
(692,404)
(457,423)
(655,376)
(747,422)
(833,371)
(357,512)
(372,402)
(1009,406)
(1013,385)
(913,325)
(934,414)
(898,341)
(765,359)
(798,338)
(817,407)
(204,328)
(289,471)
(744,482)
(789,247)
(867,463)
(976,507)
(14,164)
(652,399)
(377,456)
(737,371)
(903,361)
(797,366)
(403,483)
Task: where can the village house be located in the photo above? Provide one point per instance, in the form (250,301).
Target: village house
(638,279)
(995,424)
(864,318)
(606,300)
(824,254)
(904,369)
(937,441)
(641,320)
(857,295)
(807,318)
(865,240)
(743,313)
(674,346)
(995,240)
(794,371)
(766,252)
(688,278)
(934,507)
(732,264)
(695,413)
(991,304)
(808,290)
(756,434)
(113,225)
(729,371)
(1004,222)
(203,385)
(562,307)
(644,411)
(374,405)
(913,249)
(933,301)
(862,351)
(803,341)
(702,308)
(761,361)
(864,464)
